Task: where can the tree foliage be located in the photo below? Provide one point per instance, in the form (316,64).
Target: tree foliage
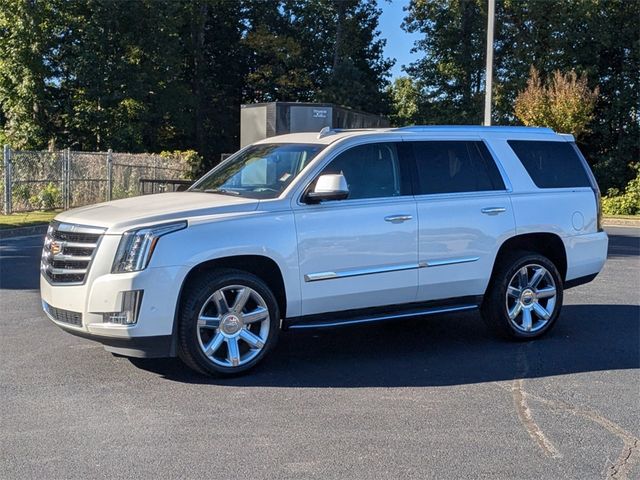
(565,103)
(405,99)
(601,39)
(153,75)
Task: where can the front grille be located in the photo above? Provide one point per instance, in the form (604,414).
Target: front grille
(68,252)
(64,316)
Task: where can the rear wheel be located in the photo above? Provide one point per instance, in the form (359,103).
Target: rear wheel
(524,297)
(229,321)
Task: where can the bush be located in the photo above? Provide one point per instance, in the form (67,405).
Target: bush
(564,103)
(189,159)
(48,198)
(626,203)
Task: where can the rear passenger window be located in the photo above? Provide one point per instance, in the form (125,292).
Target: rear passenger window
(371,171)
(455,166)
(551,164)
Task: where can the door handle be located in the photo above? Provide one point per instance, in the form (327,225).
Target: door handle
(397,218)
(493,210)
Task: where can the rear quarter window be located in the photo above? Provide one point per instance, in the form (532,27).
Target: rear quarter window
(551,164)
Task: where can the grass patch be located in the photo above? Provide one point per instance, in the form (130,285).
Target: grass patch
(27,219)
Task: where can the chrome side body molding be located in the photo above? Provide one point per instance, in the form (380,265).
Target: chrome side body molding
(314,277)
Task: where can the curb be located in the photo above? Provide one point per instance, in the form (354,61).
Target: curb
(24,231)
(620,222)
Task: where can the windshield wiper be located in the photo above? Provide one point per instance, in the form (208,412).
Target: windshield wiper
(224,191)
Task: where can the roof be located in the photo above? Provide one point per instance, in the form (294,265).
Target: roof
(327,136)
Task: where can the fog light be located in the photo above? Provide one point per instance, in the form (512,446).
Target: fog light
(128,314)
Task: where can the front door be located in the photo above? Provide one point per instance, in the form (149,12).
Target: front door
(362,251)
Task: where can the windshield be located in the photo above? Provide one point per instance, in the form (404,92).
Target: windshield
(260,171)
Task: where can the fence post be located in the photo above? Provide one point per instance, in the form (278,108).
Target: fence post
(67,179)
(7,180)
(63,173)
(109,174)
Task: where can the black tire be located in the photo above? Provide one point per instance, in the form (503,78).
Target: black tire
(195,296)
(494,308)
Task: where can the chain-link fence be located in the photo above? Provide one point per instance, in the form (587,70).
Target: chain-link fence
(41,180)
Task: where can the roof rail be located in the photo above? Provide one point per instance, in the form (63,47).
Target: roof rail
(326,131)
(427,128)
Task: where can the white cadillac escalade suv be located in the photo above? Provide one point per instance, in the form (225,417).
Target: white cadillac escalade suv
(319,230)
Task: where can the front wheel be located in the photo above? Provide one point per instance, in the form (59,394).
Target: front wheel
(524,297)
(229,320)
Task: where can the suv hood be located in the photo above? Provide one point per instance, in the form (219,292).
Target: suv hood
(121,215)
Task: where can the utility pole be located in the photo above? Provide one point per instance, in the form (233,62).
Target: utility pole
(489,70)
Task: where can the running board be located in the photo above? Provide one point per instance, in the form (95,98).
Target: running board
(335,321)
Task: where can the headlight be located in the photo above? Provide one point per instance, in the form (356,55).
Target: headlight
(136,246)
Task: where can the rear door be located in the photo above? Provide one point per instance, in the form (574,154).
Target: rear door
(464,214)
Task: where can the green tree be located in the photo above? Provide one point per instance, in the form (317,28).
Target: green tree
(28,35)
(405,99)
(565,103)
(359,71)
(601,39)
(153,75)
(316,50)
(449,74)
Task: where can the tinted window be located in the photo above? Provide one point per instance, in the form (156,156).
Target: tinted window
(455,166)
(371,171)
(551,164)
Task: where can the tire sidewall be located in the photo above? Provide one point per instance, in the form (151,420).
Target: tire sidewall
(200,291)
(529,259)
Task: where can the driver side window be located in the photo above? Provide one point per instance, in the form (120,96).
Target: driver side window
(371,171)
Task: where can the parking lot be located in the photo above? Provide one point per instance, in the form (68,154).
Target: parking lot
(434,397)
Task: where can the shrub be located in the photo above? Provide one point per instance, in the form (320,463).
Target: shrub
(189,159)
(48,198)
(627,202)
(564,103)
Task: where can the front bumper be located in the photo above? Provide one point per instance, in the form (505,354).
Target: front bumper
(78,309)
(158,346)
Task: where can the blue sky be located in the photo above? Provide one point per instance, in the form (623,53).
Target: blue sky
(399,42)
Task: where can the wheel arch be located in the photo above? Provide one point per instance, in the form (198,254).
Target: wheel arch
(261,266)
(545,243)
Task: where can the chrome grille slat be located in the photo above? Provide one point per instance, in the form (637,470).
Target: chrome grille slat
(66,271)
(62,315)
(65,243)
(70,258)
(68,252)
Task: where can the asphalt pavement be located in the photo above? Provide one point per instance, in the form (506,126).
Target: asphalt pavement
(434,397)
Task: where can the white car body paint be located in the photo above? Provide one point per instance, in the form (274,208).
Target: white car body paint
(336,255)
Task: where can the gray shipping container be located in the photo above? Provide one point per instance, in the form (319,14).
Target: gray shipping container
(263,120)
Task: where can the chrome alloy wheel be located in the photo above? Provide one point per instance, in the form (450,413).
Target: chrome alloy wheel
(233,325)
(531,298)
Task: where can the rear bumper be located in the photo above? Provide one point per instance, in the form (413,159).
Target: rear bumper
(586,255)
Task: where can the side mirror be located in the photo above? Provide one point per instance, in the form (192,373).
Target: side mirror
(328,187)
